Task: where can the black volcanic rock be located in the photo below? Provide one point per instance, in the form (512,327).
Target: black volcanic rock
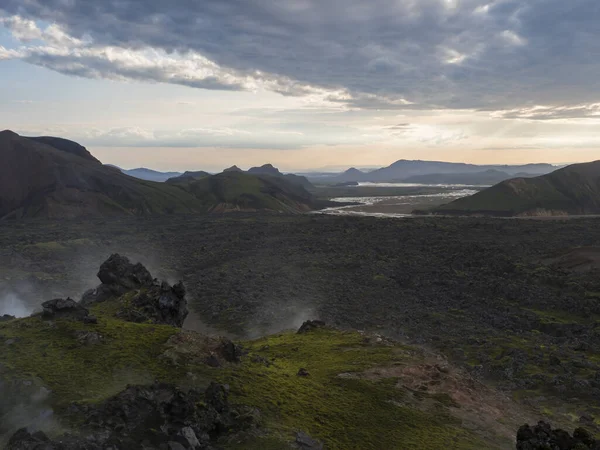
(143,299)
(310,325)
(64,308)
(119,272)
(161,304)
(543,437)
(159,416)
(118,276)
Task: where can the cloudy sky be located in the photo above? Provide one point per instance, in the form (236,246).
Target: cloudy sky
(305,84)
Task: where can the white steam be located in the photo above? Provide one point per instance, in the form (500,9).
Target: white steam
(13,306)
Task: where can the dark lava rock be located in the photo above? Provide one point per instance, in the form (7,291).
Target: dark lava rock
(118,276)
(310,325)
(543,437)
(119,271)
(230,351)
(160,304)
(148,417)
(61,308)
(143,298)
(303,373)
(6,318)
(305,442)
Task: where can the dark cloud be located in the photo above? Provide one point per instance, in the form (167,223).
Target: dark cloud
(495,54)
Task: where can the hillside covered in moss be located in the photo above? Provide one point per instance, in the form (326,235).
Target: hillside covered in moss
(573,190)
(116,368)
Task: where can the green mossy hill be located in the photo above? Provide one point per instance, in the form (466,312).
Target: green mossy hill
(573,190)
(334,403)
(238,191)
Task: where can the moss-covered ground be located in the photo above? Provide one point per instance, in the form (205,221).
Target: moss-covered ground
(343,412)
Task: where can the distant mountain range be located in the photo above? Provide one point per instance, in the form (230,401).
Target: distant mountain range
(57,178)
(572,190)
(148,174)
(405,171)
(487,177)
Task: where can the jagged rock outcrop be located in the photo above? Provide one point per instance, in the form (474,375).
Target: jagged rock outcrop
(118,276)
(161,304)
(151,418)
(543,437)
(143,298)
(64,308)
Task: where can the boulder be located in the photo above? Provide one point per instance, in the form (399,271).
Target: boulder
(311,325)
(64,308)
(118,276)
(543,437)
(305,442)
(230,351)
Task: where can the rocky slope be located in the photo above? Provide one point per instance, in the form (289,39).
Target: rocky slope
(86,376)
(51,177)
(573,190)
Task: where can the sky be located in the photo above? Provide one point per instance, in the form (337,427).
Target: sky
(305,84)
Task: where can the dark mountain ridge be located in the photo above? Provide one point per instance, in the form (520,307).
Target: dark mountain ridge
(573,190)
(52,177)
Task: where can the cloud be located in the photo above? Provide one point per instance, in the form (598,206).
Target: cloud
(9,54)
(590,111)
(280,138)
(382,54)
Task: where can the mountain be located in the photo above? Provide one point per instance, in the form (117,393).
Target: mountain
(240,191)
(572,190)
(65,145)
(55,178)
(266,169)
(149,174)
(403,170)
(487,177)
(351,174)
(233,169)
(51,177)
(188,176)
(269,169)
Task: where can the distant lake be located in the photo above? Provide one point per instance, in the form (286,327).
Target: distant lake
(399,205)
(368,184)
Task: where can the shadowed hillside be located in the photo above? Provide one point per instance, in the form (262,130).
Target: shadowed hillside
(239,191)
(573,190)
(57,178)
(51,177)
